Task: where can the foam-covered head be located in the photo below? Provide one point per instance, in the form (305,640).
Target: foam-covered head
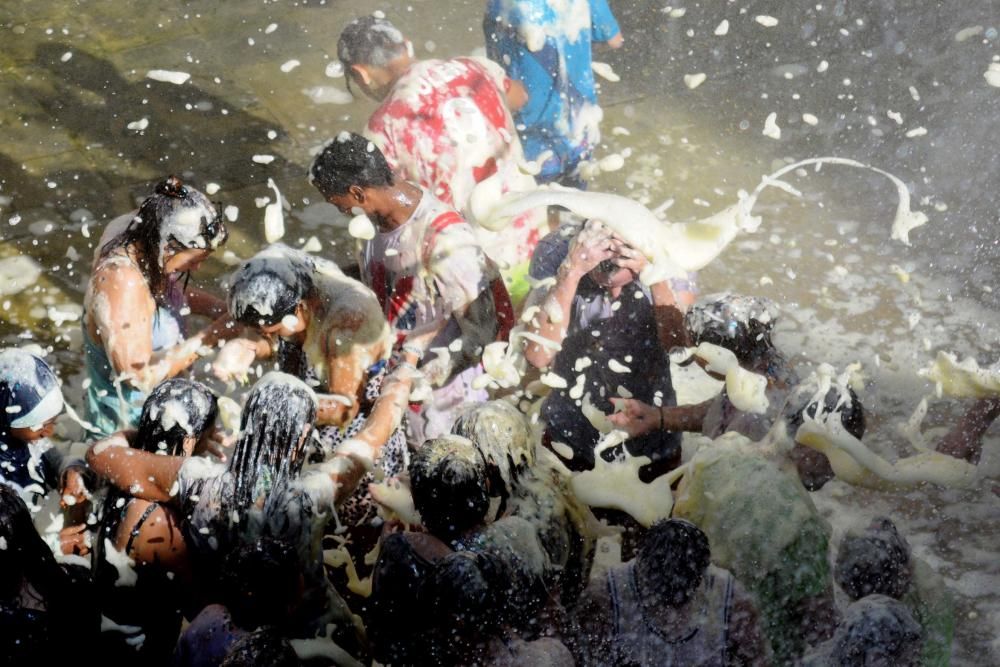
(270,285)
(740,324)
(876,630)
(349,160)
(876,561)
(671,561)
(500,433)
(176,410)
(448,483)
(370,40)
(838,398)
(29,391)
(274,428)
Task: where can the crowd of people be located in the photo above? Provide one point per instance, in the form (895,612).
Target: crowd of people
(379,497)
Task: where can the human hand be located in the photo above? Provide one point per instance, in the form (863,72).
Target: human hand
(591,246)
(75,540)
(215,444)
(234,360)
(635,417)
(628,257)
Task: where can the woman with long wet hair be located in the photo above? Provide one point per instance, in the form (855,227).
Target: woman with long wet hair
(262,491)
(178,419)
(45,612)
(134,329)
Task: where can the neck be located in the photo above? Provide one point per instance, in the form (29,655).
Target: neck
(402,200)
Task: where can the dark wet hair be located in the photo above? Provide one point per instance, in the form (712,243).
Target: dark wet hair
(463,603)
(348,160)
(876,630)
(263,646)
(200,406)
(260,583)
(369,40)
(740,324)
(852,413)
(875,562)
(671,560)
(499,431)
(270,285)
(274,431)
(144,231)
(448,482)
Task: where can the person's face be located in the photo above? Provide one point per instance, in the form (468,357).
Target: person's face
(291,326)
(613,279)
(357,201)
(376,82)
(186,260)
(31,434)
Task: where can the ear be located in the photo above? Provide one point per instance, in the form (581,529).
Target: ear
(188,445)
(358,193)
(362,74)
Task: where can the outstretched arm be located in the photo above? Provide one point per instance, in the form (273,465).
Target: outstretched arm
(637,418)
(142,474)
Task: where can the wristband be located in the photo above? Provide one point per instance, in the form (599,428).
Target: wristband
(413,349)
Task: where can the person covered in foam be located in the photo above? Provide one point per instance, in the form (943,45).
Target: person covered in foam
(30,402)
(878,561)
(134,324)
(262,489)
(446,125)
(876,630)
(150,595)
(669,606)
(549,48)
(431,276)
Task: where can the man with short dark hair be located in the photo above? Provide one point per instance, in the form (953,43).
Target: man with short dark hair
(446,125)
(424,264)
(669,607)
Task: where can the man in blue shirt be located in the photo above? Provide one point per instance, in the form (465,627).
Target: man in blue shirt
(546,45)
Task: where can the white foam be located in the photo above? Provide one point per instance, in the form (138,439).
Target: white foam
(168,76)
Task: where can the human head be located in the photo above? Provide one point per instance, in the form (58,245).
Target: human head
(671,561)
(177,414)
(838,398)
(263,646)
(458,594)
(274,428)
(24,556)
(740,324)
(351,173)
(448,483)
(267,291)
(609,275)
(875,561)
(261,583)
(30,397)
(176,229)
(876,630)
(369,47)
(499,431)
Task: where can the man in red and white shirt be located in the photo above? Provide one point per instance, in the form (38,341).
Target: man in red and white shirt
(446,125)
(427,269)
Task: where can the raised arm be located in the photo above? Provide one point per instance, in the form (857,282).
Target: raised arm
(589,248)
(142,474)
(637,418)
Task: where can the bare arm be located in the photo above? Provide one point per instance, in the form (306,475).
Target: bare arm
(517,96)
(637,418)
(347,359)
(205,304)
(588,249)
(142,474)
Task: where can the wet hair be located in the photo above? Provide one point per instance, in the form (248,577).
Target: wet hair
(270,285)
(348,160)
(274,431)
(876,630)
(499,431)
(151,229)
(369,40)
(875,562)
(448,483)
(852,413)
(176,409)
(459,596)
(671,560)
(263,646)
(260,583)
(740,324)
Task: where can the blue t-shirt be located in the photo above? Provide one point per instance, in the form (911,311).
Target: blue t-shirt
(550,53)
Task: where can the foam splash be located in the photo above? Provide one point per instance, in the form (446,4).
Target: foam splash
(274,219)
(963,379)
